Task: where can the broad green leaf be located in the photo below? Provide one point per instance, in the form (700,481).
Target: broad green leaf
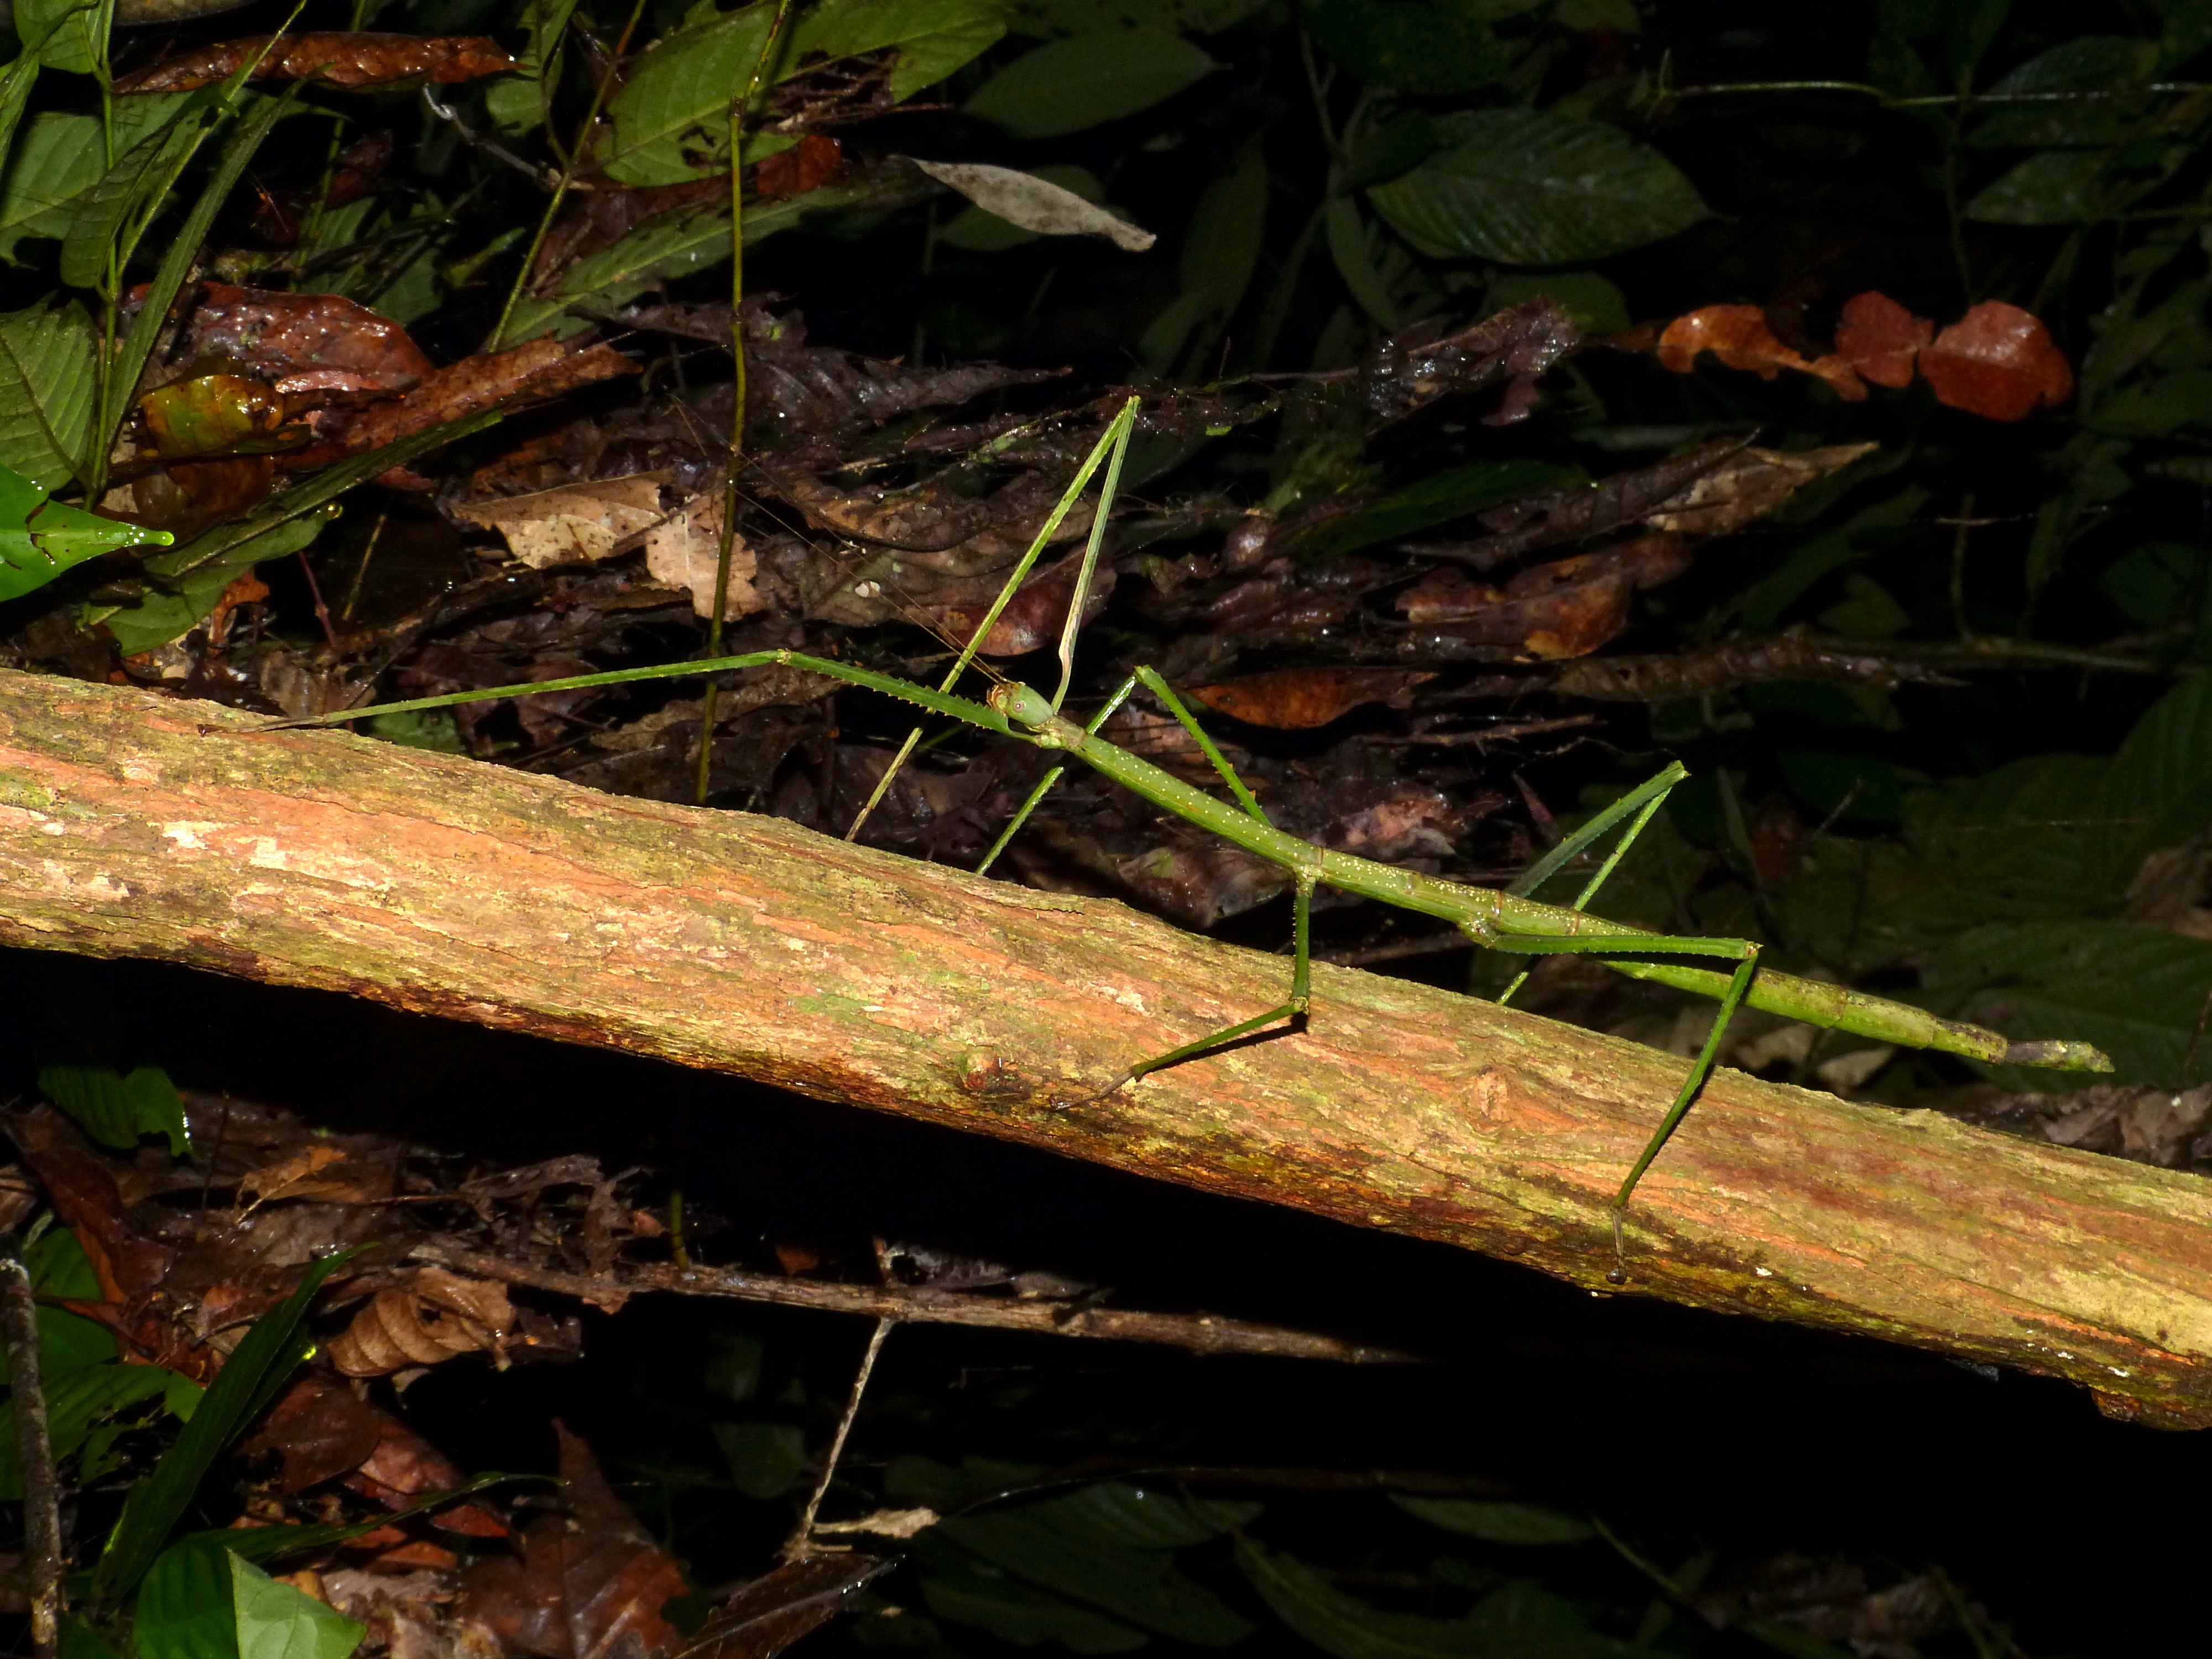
(67,1342)
(1497,1523)
(247,1382)
(47,389)
(62,34)
(16,83)
(62,156)
(1595,302)
(1014,1611)
(1111,1546)
(522,100)
(1351,245)
(183,1609)
(1515,1622)
(276,1621)
(1425,47)
(1453,492)
(39,539)
(934,38)
(163,615)
(2094,62)
(75,1399)
(2135,992)
(1527,187)
(1050,19)
(2158,406)
(81,1641)
(117,1110)
(1220,251)
(1068,85)
(684,81)
(2058,187)
(765,1459)
(2159,784)
(59,1267)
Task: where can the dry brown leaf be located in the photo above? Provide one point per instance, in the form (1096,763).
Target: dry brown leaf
(333,60)
(535,370)
(683,550)
(1997,362)
(814,161)
(587,1584)
(1749,485)
(287,1175)
(1296,699)
(436,1316)
(1741,338)
(320,1429)
(571,522)
(1879,337)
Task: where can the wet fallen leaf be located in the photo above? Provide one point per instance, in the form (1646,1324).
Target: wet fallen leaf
(286,338)
(1037,204)
(287,1176)
(1997,362)
(1747,486)
(436,1315)
(685,549)
(531,372)
(1294,699)
(815,160)
(333,60)
(1879,337)
(586,1584)
(1741,338)
(571,522)
(1568,608)
(1414,368)
(1033,619)
(319,1429)
(762,1618)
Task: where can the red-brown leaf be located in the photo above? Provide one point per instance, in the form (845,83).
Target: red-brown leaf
(1879,337)
(1998,361)
(534,370)
(814,161)
(1296,699)
(299,342)
(586,1581)
(335,60)
(1741,338)
(319,1429)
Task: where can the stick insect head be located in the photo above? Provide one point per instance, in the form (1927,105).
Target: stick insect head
(1021,705)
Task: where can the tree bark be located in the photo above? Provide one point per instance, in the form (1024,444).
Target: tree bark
(132,824)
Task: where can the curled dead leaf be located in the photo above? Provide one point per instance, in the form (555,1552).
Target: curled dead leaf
(334,60)
(1034,203)
(1879,337)
(815,160)
(1296,699)
(683,550)
(1749,485)
(1741,338)
(571,522)
(436,1316)
(1997,362)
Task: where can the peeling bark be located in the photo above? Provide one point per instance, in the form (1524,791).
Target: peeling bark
(135,825)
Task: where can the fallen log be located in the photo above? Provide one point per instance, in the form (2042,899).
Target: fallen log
(132,824)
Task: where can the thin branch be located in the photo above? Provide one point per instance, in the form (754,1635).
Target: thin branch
(801,1542)
(42,1522)
(919,1305)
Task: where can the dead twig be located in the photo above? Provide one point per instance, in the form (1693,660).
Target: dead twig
(42,1521)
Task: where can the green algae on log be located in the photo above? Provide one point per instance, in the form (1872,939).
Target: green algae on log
(133,824)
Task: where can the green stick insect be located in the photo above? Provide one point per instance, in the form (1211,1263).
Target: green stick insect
(1506,921)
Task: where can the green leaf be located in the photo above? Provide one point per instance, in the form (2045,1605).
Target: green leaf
(1066,86)
(2093,63)
(520,101)
(47,389)
(59,1267)
(1016,1613)
(39,539)
(1515,1622)
(1451,494)
(59,156)
(117,1110)
(161,616)
(67,1342)
(934,38)
(1110,1544)
(765,1459)
(2058,187)
(276,1621)
(2159,788)
(16,83)
(1220,251)
(1595,302)
(75,1399)
(681,82)
(1428,48)
(1527,187)
(247,1382)
(62,34)
(2135,992)
(1050,19)
(1497,1523)
(2161,405)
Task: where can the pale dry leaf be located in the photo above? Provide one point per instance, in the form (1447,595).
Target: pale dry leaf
(1037,204)
(436,1316)
(572,522)
(1749,485)
(884,1523)
(682,550)
(284,1178)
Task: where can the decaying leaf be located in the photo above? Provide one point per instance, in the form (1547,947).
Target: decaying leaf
(535,370)
(297,1175)
(815,160)
(434,1317)
(319,1429)
(1881,338)
(1037,204)
(1567,608)
(298,342)
(1033,619)
(685,548)
(332,60)
(588,1584)
(1296,699)
(1741,338)
(1749,485)
(1414,368)
(572,523)
(1997,362)
(1729,664)
(761,1618)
